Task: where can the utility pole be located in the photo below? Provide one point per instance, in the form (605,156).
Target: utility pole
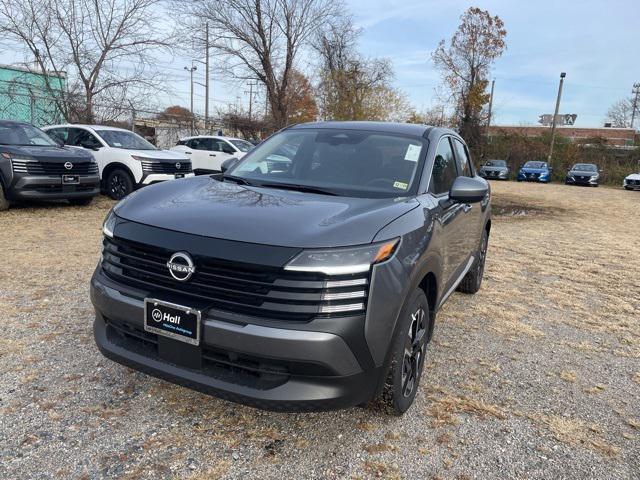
(493,84)
(206,67)
(635,92)
(191,70)
(251,93)
(555,115)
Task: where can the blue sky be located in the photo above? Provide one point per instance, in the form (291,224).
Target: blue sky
(596,42)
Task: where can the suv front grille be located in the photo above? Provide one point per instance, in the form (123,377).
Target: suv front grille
(254,290)
(164,167)
(36,167)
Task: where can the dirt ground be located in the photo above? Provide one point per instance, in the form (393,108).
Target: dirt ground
(536,376)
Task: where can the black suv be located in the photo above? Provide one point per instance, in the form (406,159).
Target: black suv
(34,167)
(301,281)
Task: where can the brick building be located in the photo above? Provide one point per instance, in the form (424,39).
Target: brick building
(613,136)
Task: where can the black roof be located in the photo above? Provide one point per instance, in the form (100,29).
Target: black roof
(387,127)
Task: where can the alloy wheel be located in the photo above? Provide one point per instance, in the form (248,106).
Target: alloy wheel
(118,186)
(414,351)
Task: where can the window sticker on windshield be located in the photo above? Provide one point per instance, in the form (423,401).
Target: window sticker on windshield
(117,144)
(413,153)
(400,185)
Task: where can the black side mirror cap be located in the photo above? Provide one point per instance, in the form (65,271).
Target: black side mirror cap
(468,190)
(228,164)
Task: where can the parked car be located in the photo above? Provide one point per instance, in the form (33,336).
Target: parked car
(314,287)
(35,167)
(583,174)
(535,171)
(207,153)
(497,169)
(126,160)
(632,182)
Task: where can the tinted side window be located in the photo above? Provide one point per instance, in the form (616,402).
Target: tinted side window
(59,134)
(82,138)
(464,165)
(200,144)
(444,168)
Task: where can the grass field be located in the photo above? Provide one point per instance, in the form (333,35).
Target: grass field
(536,376)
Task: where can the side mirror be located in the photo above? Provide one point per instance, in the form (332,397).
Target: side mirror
(468,190)
(228,164)
(228,150)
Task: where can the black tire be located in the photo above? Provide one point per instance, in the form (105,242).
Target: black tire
(628,188)
(473,279)
(408,355)
(81,202)
(4,203)
(118,184)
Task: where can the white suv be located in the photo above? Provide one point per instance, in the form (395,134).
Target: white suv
(208,152)
(125,159)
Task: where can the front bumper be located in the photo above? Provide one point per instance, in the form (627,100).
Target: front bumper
(148,179)
(50,187)
(502,175)
(572,180)
(300,368)
(522,177)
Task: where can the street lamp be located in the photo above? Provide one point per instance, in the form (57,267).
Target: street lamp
(555,115)
(191,70)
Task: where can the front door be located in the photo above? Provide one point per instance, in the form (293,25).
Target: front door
(449,215)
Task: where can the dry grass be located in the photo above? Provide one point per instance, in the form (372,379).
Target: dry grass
(445,408)
(555,329)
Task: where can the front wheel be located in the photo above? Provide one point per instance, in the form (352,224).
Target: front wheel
(408,355)
(4,203)
(119,184)
(473,279)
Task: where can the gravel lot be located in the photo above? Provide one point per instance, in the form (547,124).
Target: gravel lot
(537,376)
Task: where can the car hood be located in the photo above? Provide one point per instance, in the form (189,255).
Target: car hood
(207,207)
(168,155)
(633,176)
(49,154)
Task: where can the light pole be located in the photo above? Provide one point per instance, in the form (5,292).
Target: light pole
(191,70)
(555,115)
(636,93)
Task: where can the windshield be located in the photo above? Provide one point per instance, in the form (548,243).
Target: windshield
(21,134)
(584,167)
(343,162)
(124,139)
(242,145)
(495,163)
(535,165)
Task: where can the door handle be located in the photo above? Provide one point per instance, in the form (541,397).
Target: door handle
(466,207)
(188,153)
(212,154)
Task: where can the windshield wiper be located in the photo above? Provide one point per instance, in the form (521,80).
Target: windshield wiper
(300,188)
(238,180)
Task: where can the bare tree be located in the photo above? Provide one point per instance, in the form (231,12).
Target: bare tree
(104,47)
(262,39)
(352,87)
(619,114)
(465,62)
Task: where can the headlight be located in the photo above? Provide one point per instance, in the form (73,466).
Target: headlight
(109,224)
(594,177)
(343,261)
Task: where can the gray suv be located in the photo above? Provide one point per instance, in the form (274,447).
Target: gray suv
(306,276)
